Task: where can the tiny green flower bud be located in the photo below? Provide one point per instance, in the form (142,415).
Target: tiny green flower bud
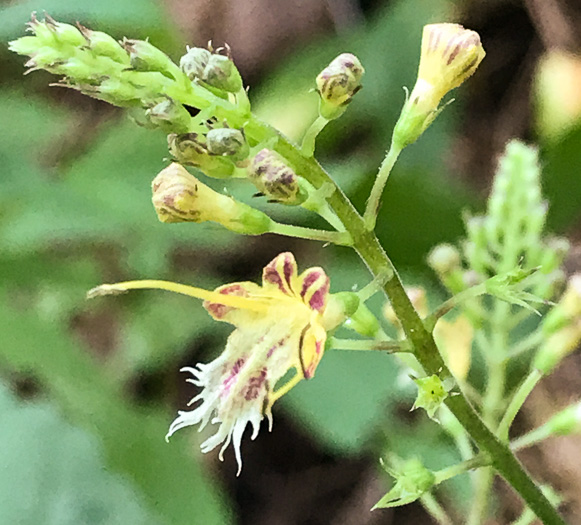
(444,259)
(221,73)
(364,322)
(190,149)
(412,480)
(431,394)
(275,179)
(170,116)
(146,57)
(228,142)
(194,62)
(338,83)
(179,197)
(340,307)
(64,33)
(450,54)
(102,44)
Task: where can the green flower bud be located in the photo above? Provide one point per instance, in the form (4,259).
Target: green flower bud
(179,197)
(568,310)
(146,57)
(412,480)
(228,142)
(363,322)
(194,62)
(170,116)
(338,83)
(431,394)
(102,44)
(190,149)
(63,33)
(221,73)
(275,179)
(340,307)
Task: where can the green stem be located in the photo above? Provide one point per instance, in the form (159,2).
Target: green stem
(372,209)
(517,402)
(425,349)
(481,460)
(290,230)
(434,509)
(368,344)
(532,438)
(528,343)
(308,145)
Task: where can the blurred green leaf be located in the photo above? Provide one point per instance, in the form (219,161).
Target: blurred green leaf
(57,476)
(169,480)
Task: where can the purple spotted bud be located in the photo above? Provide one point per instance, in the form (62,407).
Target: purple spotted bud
(227,142)
(170,116)
(191,149)
(194,62)
(275,179)
(338,83)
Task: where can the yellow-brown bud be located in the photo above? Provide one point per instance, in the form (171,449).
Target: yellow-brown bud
(338,83)
(179,197)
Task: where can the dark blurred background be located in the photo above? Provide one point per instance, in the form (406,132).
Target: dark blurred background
(87,390)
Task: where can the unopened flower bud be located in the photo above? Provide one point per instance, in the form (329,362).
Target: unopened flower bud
(170,116)
(64,33)
(227,142)
(102,44)
(412,480)
(194,62)
(340,307)
(221,73)
(338,83)
(146,57)
(450,54)
(179,197)
(431,394)
(190,149)
(275,179)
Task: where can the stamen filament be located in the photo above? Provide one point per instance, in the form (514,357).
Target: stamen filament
(256,304)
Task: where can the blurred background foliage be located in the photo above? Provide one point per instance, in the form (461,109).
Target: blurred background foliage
(87,390)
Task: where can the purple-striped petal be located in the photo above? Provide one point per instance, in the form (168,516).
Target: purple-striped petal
(281,273)
(314,288)
(311,348)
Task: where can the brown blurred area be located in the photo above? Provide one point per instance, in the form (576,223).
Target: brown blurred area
(309,487)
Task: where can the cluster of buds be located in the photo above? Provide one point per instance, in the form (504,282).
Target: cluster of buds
(337,84)
(216,153)
(450,54)
(130,73)
(212,70)
(179,197)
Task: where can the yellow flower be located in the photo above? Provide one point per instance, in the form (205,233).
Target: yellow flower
(454,339)
(279,327)
(450,54)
